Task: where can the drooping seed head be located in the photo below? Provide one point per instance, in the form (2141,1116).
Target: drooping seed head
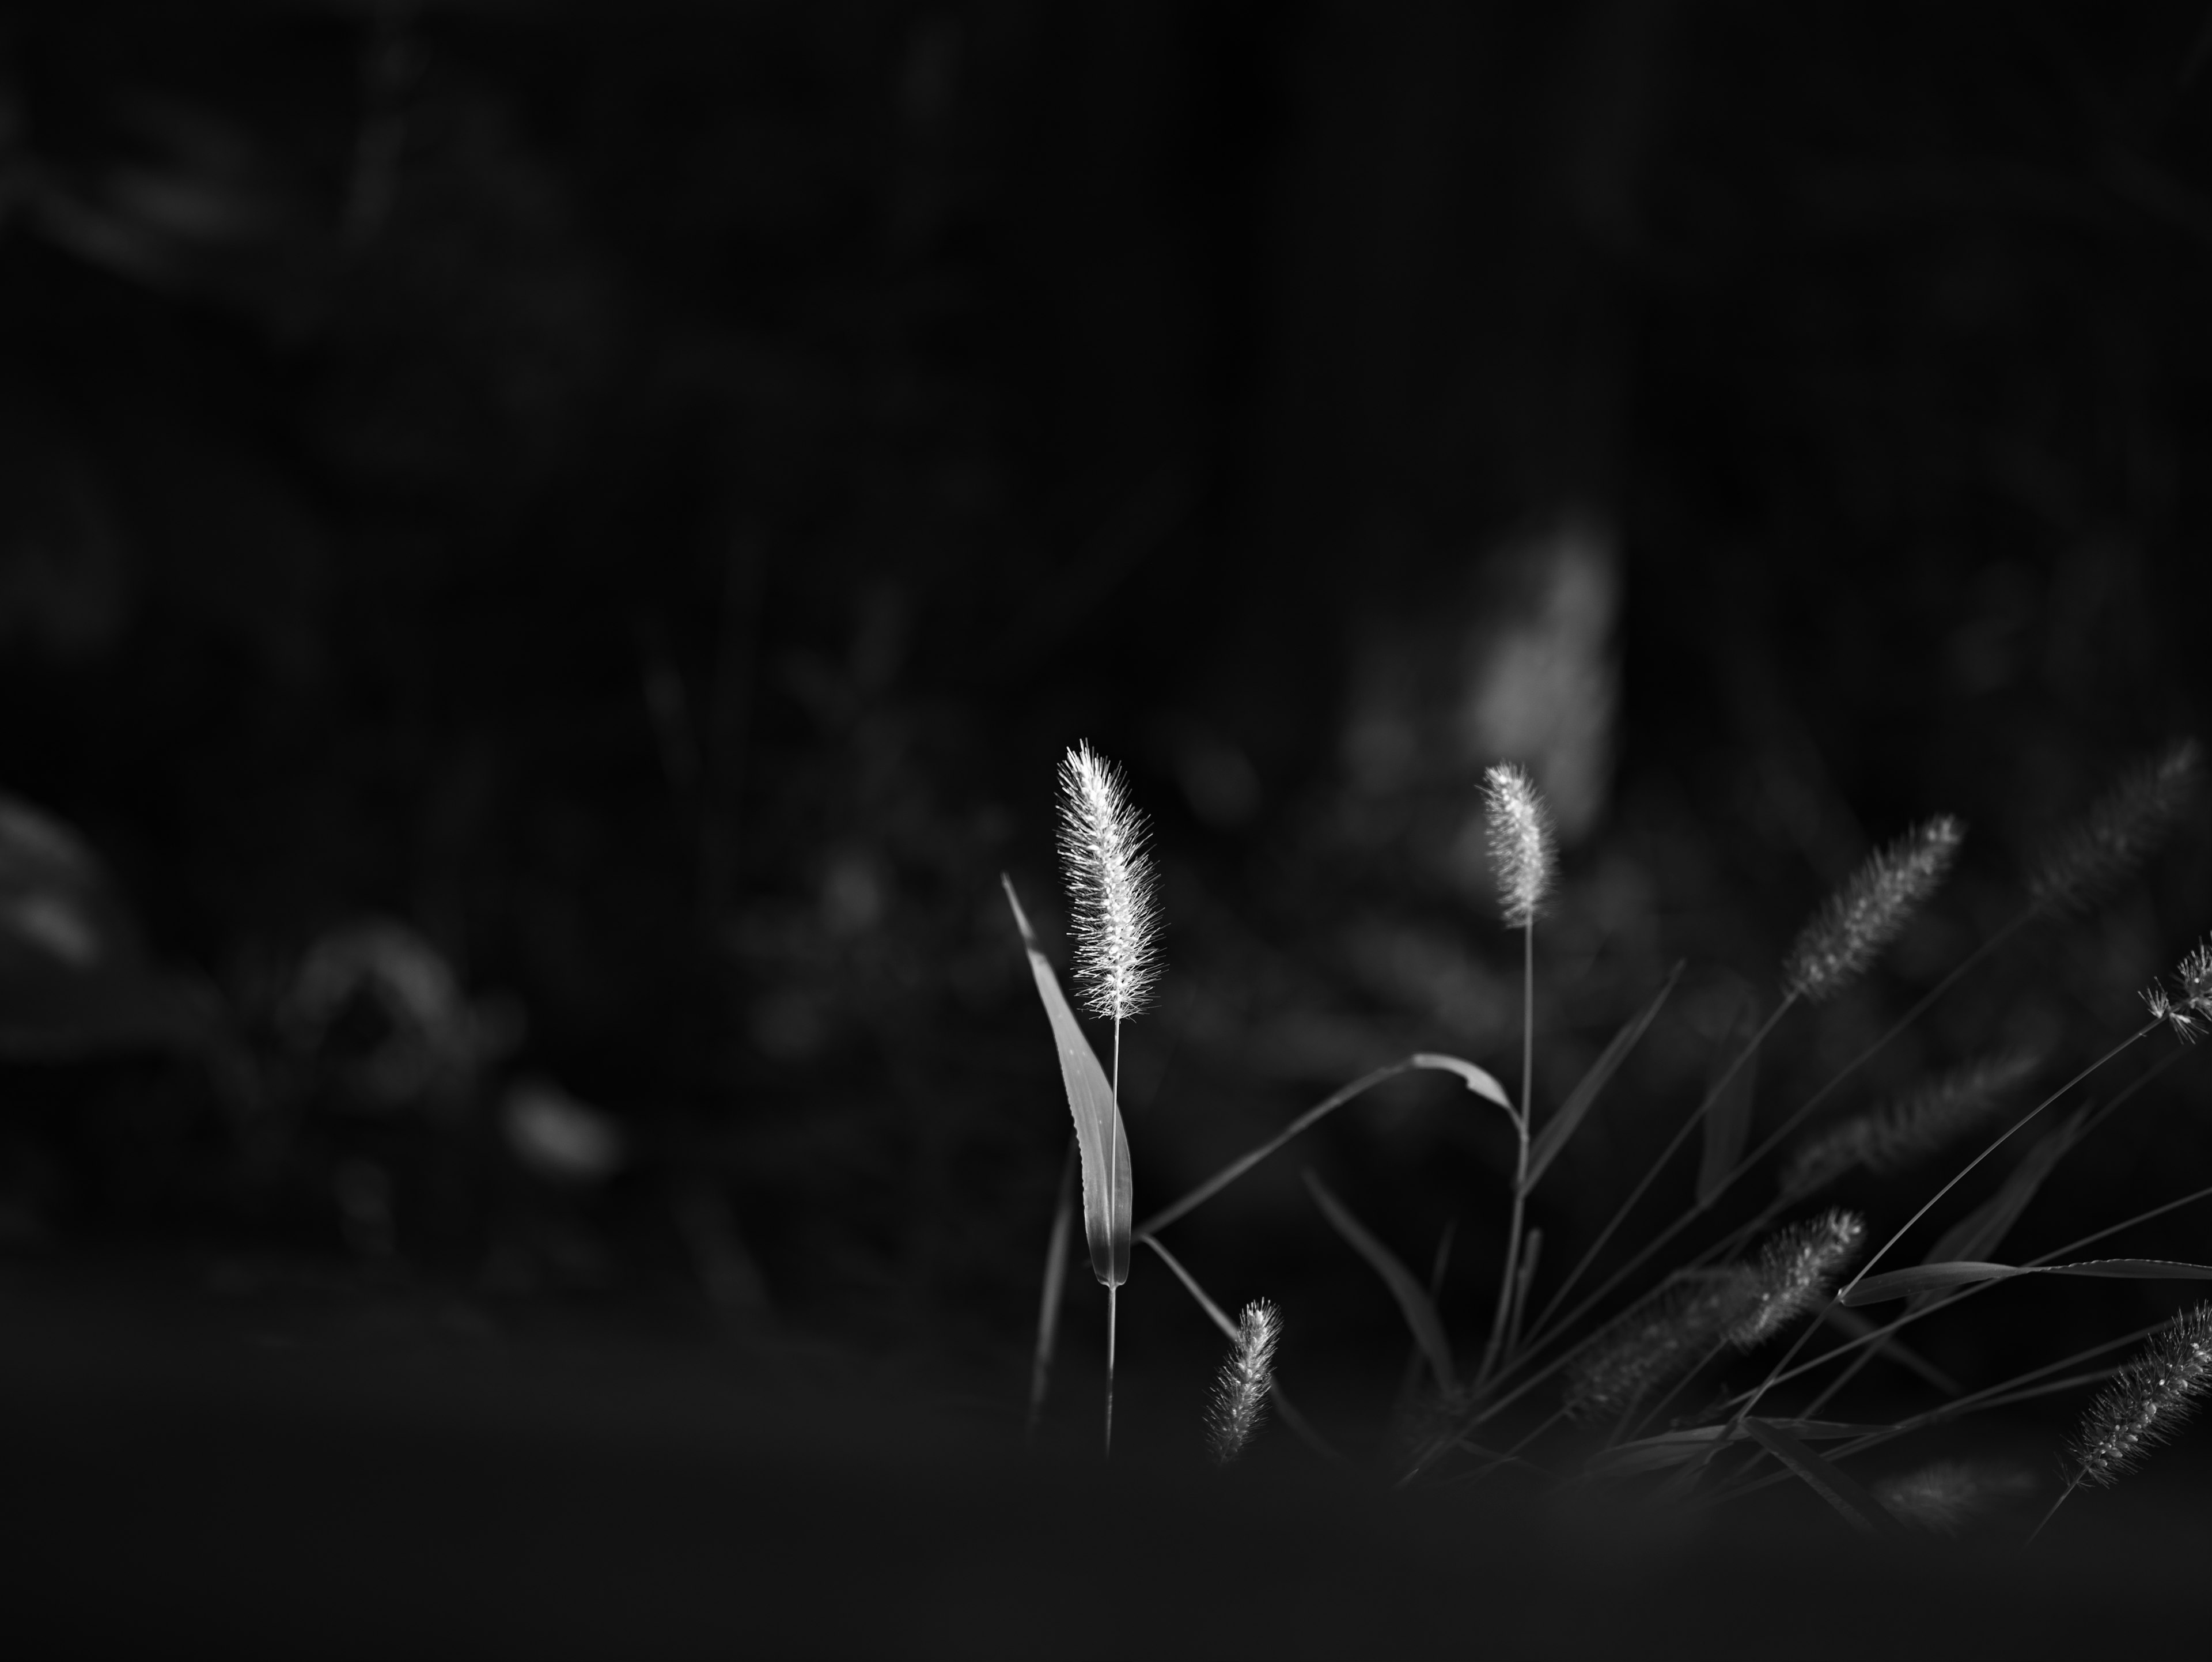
(2120,831)
(1794,1271)
(1111,887)
(1240,1391)
(1521,846)
(2146,1402)
(1917,1123)
(1868,912)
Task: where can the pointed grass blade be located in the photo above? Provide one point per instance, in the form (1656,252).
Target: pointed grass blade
(1827,1480)
(1476,1079)
(1928,1278)
(1098,1128)
(1563,1125)
(1728,1127)
(1421,1312)
(1936,1277)
(2131,1270)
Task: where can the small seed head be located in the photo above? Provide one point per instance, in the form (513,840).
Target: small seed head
(1521,846)
(2146,1402)
(1869,911)
(1795,1270)
(1240,1391)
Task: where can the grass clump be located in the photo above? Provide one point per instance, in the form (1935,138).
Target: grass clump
(1613,1355)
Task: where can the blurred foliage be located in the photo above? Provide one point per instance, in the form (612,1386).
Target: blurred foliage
(581,530)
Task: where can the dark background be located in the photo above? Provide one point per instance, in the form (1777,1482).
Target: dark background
(639,497)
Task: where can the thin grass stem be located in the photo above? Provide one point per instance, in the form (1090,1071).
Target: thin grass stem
(1651,1173)
(1773,1208)
(1493,1353)
(1798,1343)
(1055,1289)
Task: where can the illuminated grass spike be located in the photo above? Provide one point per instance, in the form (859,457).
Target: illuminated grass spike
(2147,1401)
(1794,1271)
(1111,884)
(2190,1014)
(1240,1393)
(1868,912)
(1521,843)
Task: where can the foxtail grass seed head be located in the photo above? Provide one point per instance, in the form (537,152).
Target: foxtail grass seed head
(1240,1393)
(2147,1401)
(1657,1340)
(2190,1014)
(1111,885)
(1868,912)
(1521,846)
(2120,831)
(1795,1271)
(1915,1125)
(1943,1498)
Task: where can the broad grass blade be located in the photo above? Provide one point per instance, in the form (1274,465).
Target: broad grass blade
(1982,1231)
(1826,1479)
(1728,1127)
(1421,1312)
(1476,1079)
(1097,1121)
(1935,1277)
(1858,1327)
(1928,1278)
(1563,1125)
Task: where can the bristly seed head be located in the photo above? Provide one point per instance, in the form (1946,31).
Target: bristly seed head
(2119,831)
(1917,1123)
(1240,1393)
(1868,912)
(2190,1014)
(1111,887)
(1794,1271)
(1521,843)
(2146,1402)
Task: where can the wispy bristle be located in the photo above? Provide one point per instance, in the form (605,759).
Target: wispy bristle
(1521,843)
(1794,1271)
(1918,1124)
(1111,885)
(2147,1401)
(1946,1496)
(1657,1340)
(1240,1393)
(2120,831)
(2190,1014)
(1867,913)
